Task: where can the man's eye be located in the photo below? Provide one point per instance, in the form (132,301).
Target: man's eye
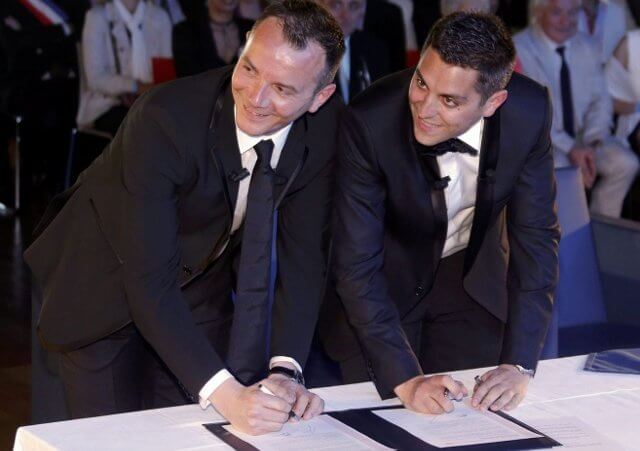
(420,82)
(448,101)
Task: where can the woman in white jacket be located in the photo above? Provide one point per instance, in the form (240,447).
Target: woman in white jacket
(119,41)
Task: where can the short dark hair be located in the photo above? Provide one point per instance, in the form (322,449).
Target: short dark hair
(303,21)
(475,41)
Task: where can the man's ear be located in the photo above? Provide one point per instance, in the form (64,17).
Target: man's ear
(494,102)
(321,97)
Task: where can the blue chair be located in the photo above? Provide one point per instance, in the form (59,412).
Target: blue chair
(595,308)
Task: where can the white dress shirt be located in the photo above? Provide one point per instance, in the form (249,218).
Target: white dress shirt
(460,194)
(561,141)
(248,157)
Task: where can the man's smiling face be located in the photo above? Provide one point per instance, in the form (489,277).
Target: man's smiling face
(273,83)
(444,101)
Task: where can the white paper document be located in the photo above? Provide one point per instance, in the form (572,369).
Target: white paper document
(320,433)
(573,433)
(464,426)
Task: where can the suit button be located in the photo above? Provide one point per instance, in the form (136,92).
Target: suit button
(187,269)
(419,290)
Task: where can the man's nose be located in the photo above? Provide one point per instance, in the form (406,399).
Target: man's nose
(427,107)
(258,94)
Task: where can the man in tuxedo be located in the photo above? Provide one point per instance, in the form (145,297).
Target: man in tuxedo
(366,57)
(138,261)
(446,236)
(554,53)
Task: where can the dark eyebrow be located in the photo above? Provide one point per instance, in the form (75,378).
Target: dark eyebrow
(453,96)
(289,87)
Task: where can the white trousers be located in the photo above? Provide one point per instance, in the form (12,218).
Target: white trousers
(617,167)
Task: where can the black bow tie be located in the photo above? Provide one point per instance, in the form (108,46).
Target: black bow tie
(450,145)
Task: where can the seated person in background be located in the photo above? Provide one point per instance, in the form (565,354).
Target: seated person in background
(384,20)
(39,83)
(210,40)
(606,22)
(623,80)
(366,56)
(173,9)
(554,53)
(250,9)
(119,41)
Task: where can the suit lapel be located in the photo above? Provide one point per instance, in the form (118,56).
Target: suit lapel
(223,143)
(437,201)
(291,160)
(485,190)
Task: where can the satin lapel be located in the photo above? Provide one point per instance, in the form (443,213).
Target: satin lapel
(291,160)
(223,143)
(489,153)
(431,173)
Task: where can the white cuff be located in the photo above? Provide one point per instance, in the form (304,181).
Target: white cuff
(211,386)
(280,358)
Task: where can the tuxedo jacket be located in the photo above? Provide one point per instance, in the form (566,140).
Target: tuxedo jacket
(193,47)
(390,229)
(136,239)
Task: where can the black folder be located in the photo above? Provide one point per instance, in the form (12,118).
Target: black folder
(625,361)
(392,436)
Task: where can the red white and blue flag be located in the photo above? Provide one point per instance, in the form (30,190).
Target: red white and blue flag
(48,13)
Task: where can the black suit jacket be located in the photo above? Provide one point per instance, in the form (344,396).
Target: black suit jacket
(390,229)
(193,48)
(369,61)
(384,20)
(136,238)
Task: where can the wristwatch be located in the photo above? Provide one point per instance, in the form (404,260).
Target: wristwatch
(290,373)
(525,371)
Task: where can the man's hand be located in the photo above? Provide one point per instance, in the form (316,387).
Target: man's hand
(306,405)
(501,389)
(426,394)
(250,410)
(584,158)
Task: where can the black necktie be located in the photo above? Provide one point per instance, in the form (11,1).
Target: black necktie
(565,91)
(249,341)
(450,145)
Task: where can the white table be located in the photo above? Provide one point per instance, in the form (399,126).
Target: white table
(562,399)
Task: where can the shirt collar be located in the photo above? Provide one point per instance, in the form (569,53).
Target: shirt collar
(473,136)
(246,142)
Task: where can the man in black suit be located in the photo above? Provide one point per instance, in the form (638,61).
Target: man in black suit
(366,57)
(446,250)
(384,20)
(138,260)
